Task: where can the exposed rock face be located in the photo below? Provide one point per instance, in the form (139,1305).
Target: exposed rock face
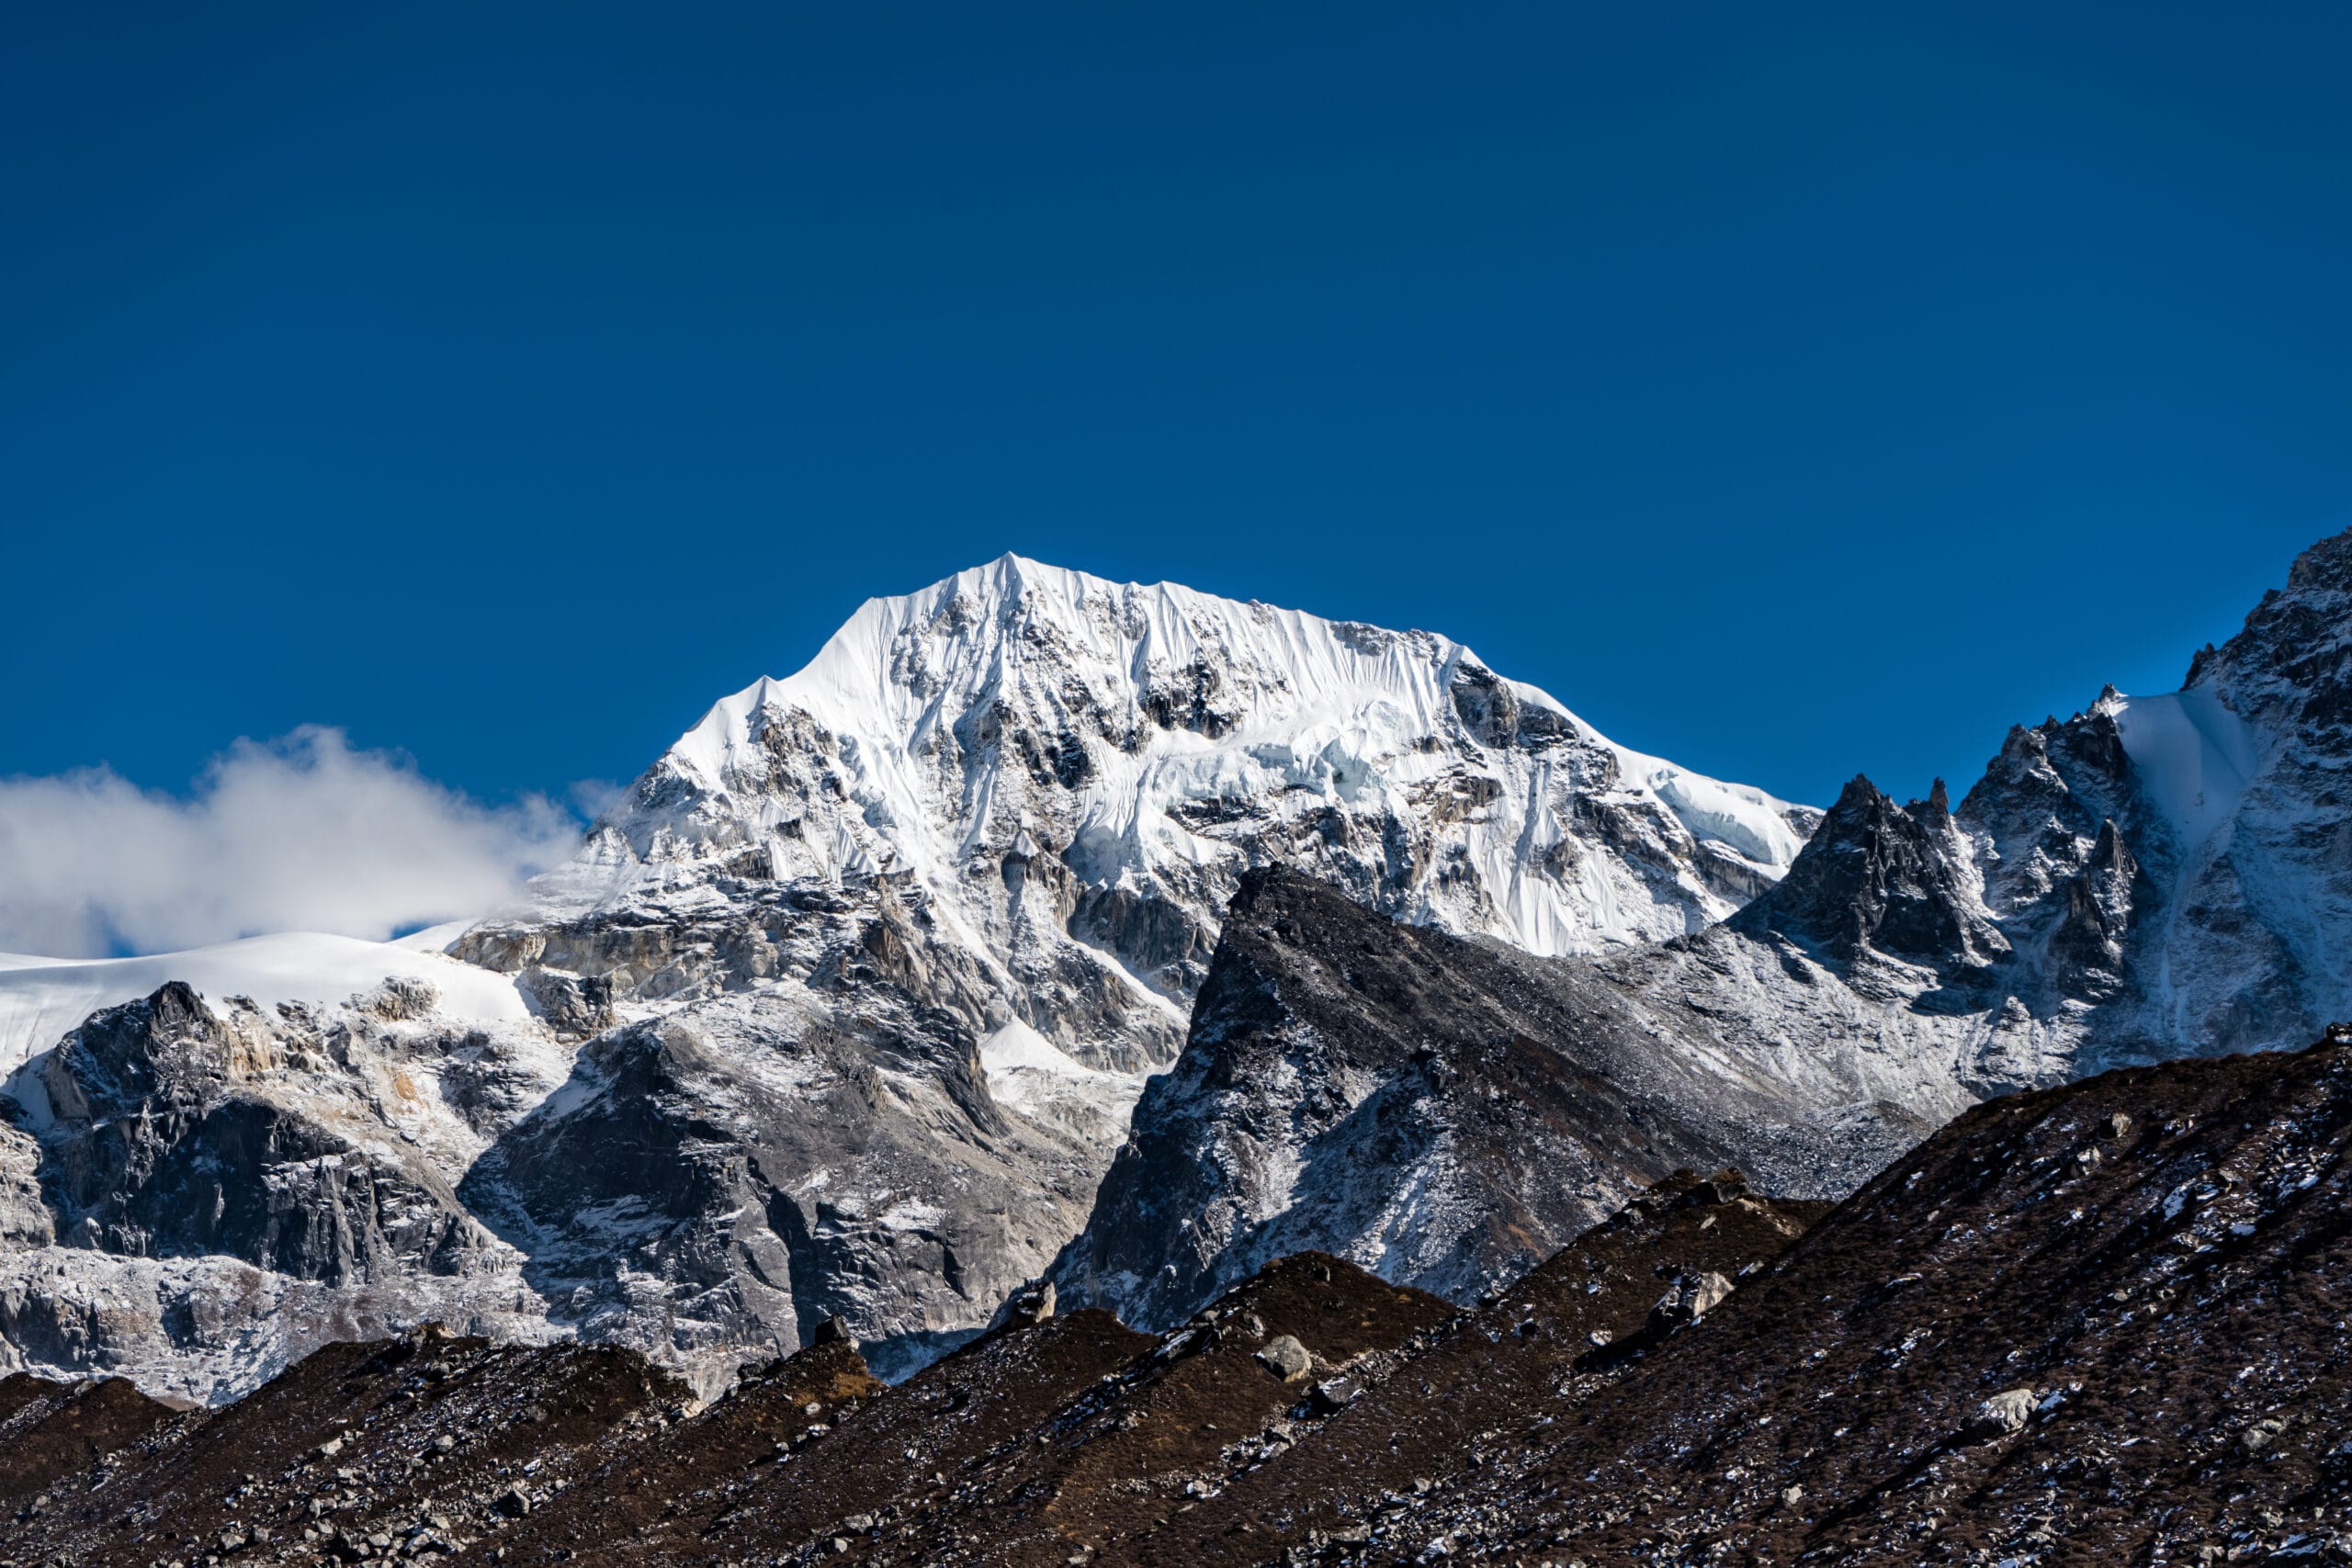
(155,1149)
(24,1222)
(1440,1111)
(736,1174)
(203,1195)
(1877,877)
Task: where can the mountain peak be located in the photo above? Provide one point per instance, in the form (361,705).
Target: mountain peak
(1879,876)
(1159,740)
(2326,565)
(2290,665)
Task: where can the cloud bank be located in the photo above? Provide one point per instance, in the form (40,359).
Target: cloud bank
(303,833)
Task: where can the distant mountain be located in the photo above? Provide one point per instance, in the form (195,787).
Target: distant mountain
(2153,877)
(842,1010)
(845,1011)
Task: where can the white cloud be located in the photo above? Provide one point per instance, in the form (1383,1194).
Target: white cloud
(303,833)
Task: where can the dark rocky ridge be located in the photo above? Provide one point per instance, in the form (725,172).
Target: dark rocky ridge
(2158,1257)
(1878,877)
(50,1431)
(2095,1324)
(429,1439)
(1444,1113)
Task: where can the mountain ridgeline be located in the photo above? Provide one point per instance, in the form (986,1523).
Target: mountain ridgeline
(1130,940)
(2092,1324)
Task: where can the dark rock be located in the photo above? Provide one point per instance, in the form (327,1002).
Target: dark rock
(1285,1358)
(1876,877)
(1332,1395)
(1341,1065)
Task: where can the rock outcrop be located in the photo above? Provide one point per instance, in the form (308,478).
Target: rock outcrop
(207,1193)
(1444,1112)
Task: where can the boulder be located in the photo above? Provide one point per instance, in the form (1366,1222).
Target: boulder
(1690,1300)
(1285,1358)
(2263,1433)
(2005,1412)
(1332,1395)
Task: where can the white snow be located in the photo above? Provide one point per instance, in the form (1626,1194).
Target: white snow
(1027,1074)
(1310,713)
(434,939)
(1740,817)
(2193,755)
(43,1000)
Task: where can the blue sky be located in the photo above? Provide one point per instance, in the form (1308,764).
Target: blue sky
(1792,396)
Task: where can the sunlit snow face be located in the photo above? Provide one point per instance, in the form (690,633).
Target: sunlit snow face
(1168,737)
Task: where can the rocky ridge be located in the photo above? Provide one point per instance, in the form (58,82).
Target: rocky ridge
(2090,1324)
(1444,1112)
(202,1194)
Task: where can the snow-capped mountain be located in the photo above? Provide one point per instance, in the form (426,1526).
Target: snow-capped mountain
(959,880)
(2152,879)
(1075,772)
(843,1009)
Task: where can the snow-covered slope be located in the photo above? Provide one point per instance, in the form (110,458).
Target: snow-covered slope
(2249,909)
(1151,741)
(43,998)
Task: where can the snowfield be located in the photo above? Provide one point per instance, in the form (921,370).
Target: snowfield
(43,1000)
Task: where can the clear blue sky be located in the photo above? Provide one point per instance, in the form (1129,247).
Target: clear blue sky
(1791,391)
